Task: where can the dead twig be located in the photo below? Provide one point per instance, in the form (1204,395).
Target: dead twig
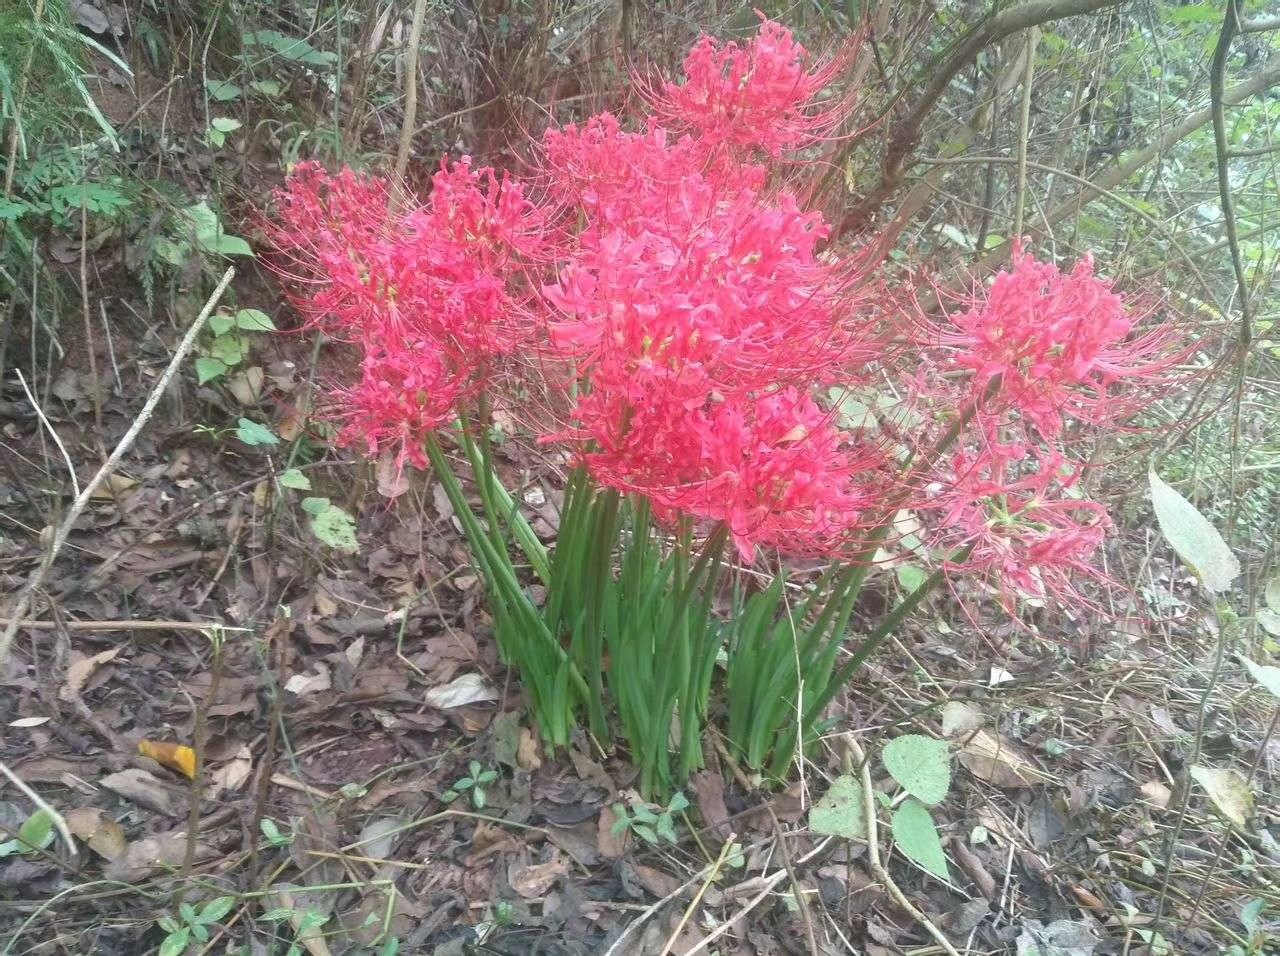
(23,603)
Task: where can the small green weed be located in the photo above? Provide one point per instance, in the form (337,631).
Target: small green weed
(651,822)
(192,925)
(475,783)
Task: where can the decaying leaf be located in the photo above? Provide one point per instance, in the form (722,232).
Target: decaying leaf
(998,762)
(79,672)
(462,690)
(142,788)
(152,855)
(534,881)
(174,756)
(1229,792)
(103,835)
(231,775)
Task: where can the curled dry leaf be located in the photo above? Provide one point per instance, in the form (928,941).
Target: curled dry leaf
(996,761)
(231,775)
(143,788)
(79,672)
(462,690)
(152,855)
(1156,793)
(174,756)
(534,881)
(103,835)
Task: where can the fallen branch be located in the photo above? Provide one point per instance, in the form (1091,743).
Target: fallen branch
(23,603)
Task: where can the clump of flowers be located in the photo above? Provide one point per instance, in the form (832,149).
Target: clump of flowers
(430,293)
(683,308)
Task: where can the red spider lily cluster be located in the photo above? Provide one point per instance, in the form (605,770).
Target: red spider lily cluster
(688,314)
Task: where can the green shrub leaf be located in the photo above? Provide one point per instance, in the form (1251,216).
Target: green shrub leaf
(208,368)
(335,528)
(1196,541)
(1264,674)
(254,320)
(293,478)
(921,765)
(917,836)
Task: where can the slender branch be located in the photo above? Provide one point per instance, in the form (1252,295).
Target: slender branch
(23,603)
(410,89)
(905,135)
(1024,130)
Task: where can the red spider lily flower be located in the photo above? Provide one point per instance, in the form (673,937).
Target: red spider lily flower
(1060,345)
(761,95)
(432,294)
(1028,530)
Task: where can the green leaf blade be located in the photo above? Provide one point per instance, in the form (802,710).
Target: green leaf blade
(916,835)
(920,765)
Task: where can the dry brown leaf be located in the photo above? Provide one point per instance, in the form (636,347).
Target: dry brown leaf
(527,751)
(657,883)
(609,843)
(246,386)
(143,788)
(103,835)
(534,881)
(79,672)
(290,897)
(232,774)
(708,789)
(114,485)
(174,756)
(151,855)
(996,761)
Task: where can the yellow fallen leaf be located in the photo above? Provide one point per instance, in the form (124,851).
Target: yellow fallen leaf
(174,756)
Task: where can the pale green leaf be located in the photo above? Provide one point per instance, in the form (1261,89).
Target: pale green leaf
(1229,792)
(216,909)
(921,765)
(175,944)
(221,323)
(254,320)
(315,506)
(221,90)
(841,810)
(293,478)
(917,837)
(1196,541)
(37,831)
(1265,674)
(911,577)
(229,349)
(208,368)
(1271,594)
(335,528)
(225,124)
(1269,620)
(251,433)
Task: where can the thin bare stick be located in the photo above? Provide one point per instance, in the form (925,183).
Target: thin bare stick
(410,89)
(35,798)
(23,603)
(122,625)
(71,469)
(697,898)
(1024,130)
(854,754)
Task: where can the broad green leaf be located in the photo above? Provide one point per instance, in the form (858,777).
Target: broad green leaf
(841,811)
(225,124)
(1249,914)
(228,245)
(293,478)
(254,320)
(911,577)
(1265,674)
(221,323)
(335,528)
(221,91)
(251,433)
(266,87)
(11,210)
(315,506)
(921,765)
(37,832)
(291,48)
(208,368)
(917,837)
(1228,791)
(1195,540)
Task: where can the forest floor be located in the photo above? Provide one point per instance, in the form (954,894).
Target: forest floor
(337,698)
